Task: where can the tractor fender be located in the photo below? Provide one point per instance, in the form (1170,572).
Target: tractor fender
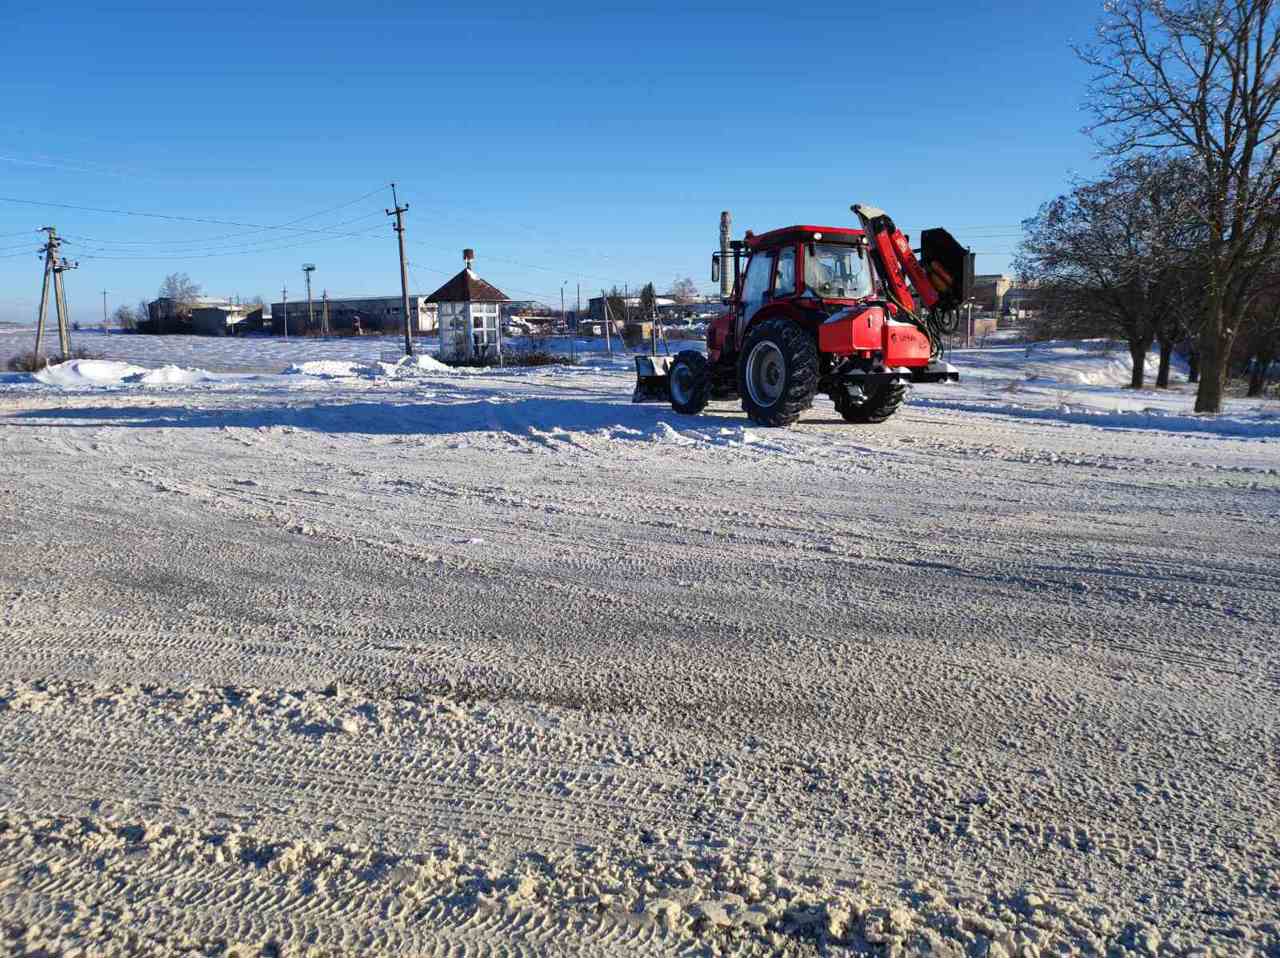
(801,317)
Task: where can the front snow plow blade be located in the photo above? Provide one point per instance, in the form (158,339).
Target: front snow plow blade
(653,379)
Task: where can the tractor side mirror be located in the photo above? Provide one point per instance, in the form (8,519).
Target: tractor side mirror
(715,267)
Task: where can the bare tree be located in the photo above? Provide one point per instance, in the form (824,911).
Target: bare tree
(125,317)
(1202,76)
(1257,347)
(684,290)
(1101,255)
(180,288)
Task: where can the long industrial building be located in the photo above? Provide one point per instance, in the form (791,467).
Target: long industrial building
(373,313)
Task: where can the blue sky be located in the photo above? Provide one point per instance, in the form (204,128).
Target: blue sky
(594,144)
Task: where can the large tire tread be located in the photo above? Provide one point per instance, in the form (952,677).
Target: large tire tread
(801,354)
(875,410)
(700,393)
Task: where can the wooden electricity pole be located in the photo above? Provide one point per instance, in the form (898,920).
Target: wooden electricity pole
(398,213)
(104,310)
(324,319)
(54,267)
(284,295)
(608,322)
(307,270)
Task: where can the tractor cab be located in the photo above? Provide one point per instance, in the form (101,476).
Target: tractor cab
(813,267)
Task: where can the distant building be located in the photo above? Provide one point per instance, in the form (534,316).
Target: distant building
(226,320)
(375,314)
(989,290)
(469,310)
(166,315)
(661,303)
(1021,302)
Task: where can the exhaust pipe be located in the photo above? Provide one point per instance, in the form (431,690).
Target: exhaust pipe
(726,279)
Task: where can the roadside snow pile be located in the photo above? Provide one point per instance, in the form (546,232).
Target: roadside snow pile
(1072,363)
(424,363)
(333,369)
(88,372)
(353,369)
(1078,368)
(1262,423)
(79,373)
(170,376)
(732,437)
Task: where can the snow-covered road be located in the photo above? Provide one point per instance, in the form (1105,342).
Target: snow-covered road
(402,661)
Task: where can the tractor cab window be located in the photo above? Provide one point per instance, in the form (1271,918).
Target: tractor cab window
(756,282)
(836,272)
(754,286)
(784,283)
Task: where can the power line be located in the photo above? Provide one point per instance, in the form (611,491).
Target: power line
(174,217)
(228,241)
(247,251)
(241,236)
(90,242)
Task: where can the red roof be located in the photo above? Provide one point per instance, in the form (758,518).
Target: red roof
(467,287)
(831,234)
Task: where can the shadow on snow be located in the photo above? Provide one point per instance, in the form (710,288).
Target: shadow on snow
(389,418)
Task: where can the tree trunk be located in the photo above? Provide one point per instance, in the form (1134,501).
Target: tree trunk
(1257,379)
(1258,373)
(1138,353)
(1193,365)
(1166,357)
(1214,354)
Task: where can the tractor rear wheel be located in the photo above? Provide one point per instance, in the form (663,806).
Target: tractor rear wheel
(690,382)
(777,372)
(876,408)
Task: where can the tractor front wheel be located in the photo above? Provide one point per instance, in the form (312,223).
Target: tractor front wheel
(777,372)
(690,382)
(876,408)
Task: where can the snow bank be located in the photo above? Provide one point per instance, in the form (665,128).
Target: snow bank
(332,369)
(1071,363)
(78,373)
(422,363)
(425,363)
(88,372)
(170,376)
(1261,424)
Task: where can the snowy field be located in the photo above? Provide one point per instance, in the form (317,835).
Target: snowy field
(365,658)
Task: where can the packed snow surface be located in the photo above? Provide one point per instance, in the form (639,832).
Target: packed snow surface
(380,658)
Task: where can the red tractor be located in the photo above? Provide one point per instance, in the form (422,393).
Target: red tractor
(822,309)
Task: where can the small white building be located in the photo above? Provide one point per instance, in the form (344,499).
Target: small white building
(469,315)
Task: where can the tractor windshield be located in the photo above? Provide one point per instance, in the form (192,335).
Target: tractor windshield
(836,272)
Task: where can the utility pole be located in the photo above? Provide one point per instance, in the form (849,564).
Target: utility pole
(104,310)
(307,270)
(54,267)
(284,295)
(398,213)
(608,321)
(324,319)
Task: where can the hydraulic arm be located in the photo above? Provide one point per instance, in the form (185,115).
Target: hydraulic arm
(942,281)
